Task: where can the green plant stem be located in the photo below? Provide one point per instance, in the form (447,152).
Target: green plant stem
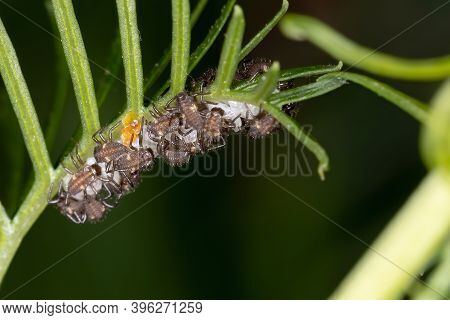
(439,279)
(422,225)
(62,85)
(131,52)
(161,65)
(435,137)
(267,84)
(229,57)
(301,27)
(78,65)
(13,233)
(413,107)
(256,40)
(206,44)
(181,40)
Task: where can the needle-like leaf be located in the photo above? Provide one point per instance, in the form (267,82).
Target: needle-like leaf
(408,104)
(267,84)
(181,40)
(306,92)
(296,130)
(253,43)
(206,44)
(229,57)
(161,65)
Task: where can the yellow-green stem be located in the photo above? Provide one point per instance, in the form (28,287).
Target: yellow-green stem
(404,248)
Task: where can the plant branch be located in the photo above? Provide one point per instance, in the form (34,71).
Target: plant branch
(34,141)
(23,107)
(78,65)
(180,45)
(301,27)
(413,107)
(229,57)
(253,43)
(131,52)
(388,268)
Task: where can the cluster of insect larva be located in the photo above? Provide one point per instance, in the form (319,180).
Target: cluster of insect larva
(189,125)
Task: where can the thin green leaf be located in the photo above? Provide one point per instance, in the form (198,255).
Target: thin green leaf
(296,130)
(300,27)
(161,65)
(113,65)
(306,92)
(197,12)
(131,51)
(294,73)
(229,57)
(304,72)
(267,84)
(24,109)
(180,45)
(62,85)
(256,40)
(206,44)
(413,107)
(78,65)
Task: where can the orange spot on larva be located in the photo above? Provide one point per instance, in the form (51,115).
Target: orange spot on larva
(131,126)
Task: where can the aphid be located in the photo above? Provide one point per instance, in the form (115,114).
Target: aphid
(250,69)
(291,108)
(136,159)
(84,177)
(213,129)
(108,150)
(71,208)
(176,152)
(128,185)
(95,210)
(131,126)
(262,125)
(197,85)
(189,108)
(162,125)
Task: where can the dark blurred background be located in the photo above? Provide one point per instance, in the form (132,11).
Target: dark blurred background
(226,237)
